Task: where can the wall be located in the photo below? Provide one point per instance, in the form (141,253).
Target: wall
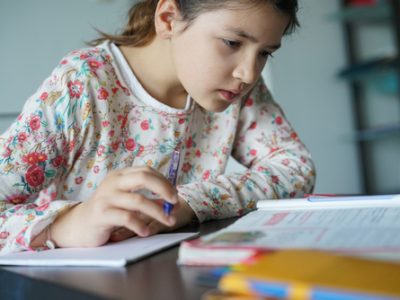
(35,34)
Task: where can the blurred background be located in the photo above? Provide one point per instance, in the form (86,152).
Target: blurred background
(336,78)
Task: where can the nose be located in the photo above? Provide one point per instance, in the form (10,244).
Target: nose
(246,71)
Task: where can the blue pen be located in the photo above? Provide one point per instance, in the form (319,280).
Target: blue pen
(172,174)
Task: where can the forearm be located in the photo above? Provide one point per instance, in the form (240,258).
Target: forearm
(236,194)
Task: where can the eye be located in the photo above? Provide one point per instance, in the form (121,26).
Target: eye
(266,54)
(231,44)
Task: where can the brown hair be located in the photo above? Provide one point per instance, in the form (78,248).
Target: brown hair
(140,30)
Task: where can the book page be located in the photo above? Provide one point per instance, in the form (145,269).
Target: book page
(371,232)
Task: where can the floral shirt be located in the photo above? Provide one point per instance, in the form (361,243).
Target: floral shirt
(92,116)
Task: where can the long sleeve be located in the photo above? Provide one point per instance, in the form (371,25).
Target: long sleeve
(36,153)
(278,164)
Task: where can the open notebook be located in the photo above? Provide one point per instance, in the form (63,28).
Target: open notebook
(110,255)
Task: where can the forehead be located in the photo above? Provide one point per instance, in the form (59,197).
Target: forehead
(263,21)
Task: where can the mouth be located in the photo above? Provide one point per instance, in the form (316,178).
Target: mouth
(230,96)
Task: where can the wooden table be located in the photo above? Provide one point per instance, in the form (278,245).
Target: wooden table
(155,277)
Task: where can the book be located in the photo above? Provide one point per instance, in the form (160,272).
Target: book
(366,226)
(310,274)
(110,255)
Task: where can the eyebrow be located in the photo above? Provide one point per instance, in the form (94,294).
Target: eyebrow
(243,34)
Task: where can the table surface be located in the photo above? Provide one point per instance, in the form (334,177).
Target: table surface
(155,277)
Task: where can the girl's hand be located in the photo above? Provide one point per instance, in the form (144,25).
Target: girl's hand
(182,213)
(115,205)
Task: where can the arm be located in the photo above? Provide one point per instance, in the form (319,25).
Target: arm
(278,164)
(36,152)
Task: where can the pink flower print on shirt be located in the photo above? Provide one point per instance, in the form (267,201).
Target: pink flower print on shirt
(249,102)
(4,235)
(57,161)
(206,175)
(278,120)
(189,142)
(20,238)
(16,199)
(31,158)
(101,149)
(130,144)
(84,56)
(253,152)
(34,123)
(79,180)
(34,176)
(94,64)
(115,145)
(22,137)
(44,96)
(41,157)
(102,94)
(96,169)
(253,125)
(75,88)
(140,150)
(7,153)
(275,179)
(145,125)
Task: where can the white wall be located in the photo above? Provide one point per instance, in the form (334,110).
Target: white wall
(34,35)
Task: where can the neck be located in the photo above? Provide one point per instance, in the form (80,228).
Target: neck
(153,67)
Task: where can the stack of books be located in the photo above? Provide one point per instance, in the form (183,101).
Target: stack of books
(340,247)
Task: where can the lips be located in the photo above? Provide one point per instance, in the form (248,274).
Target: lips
(229,96)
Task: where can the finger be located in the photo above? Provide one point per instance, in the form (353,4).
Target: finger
(148,180)
(127,219)
(155,227)
(140,204)
(121,234)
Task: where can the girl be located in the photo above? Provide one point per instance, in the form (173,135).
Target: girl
(182,76)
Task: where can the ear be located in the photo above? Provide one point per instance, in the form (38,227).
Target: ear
(166,16)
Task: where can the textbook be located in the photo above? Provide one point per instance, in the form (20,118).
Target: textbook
(310,274)
(110,255)
(365,226)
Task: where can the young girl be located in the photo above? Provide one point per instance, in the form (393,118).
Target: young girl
(182,76)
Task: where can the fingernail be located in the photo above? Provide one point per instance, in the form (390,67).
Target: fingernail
(171,220)
(145,231)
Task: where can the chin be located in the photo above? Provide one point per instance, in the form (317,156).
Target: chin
(216,106)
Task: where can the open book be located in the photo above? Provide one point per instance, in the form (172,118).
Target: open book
(110,255)
(367,226)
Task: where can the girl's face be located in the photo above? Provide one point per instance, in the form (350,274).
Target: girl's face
(220,56)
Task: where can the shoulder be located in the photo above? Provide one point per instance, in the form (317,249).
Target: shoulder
(85,63)
(259,95)
(93,57)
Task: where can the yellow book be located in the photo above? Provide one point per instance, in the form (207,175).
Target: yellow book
(308,274)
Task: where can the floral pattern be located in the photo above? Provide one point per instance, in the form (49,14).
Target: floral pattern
(85,120)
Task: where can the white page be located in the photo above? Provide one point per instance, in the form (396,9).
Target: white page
(373,232)
(111,255)
(317,202)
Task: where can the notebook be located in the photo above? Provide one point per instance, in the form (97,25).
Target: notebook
(111,255)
